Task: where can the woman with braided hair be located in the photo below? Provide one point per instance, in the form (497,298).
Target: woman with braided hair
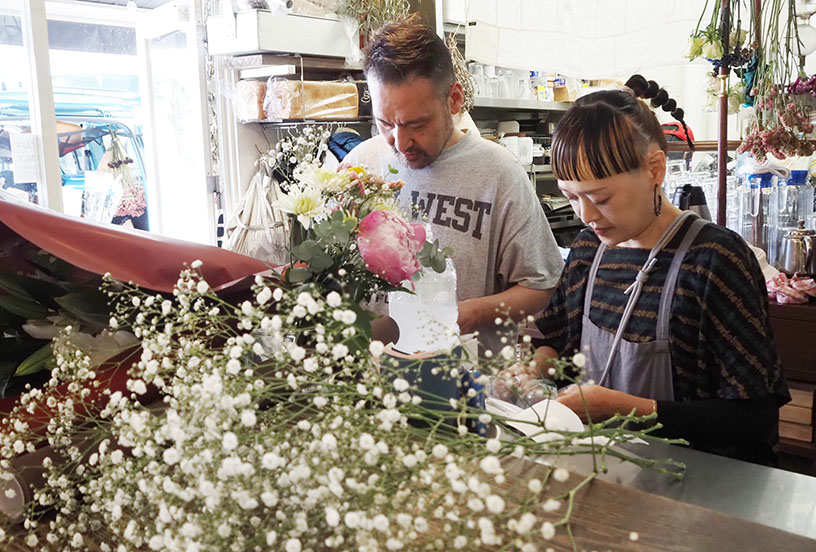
(670,311)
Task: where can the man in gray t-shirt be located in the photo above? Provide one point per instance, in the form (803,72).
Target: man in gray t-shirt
(475,193)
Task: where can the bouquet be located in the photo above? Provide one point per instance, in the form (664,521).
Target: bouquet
(351,236)
(232,433)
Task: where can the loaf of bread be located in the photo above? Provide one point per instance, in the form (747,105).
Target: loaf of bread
(290,99)
(249,99)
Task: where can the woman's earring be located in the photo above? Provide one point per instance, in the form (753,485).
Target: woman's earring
(658,201)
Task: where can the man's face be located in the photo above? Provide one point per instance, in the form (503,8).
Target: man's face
(414,118)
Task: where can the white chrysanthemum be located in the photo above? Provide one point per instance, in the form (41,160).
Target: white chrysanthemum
(324,180)
(305,202)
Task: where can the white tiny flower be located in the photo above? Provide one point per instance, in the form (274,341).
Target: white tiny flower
(534,485)
(551,371)
(334,299)
(271,537)
(297,353)
(352,520)
(349,317)
(508,352)
(409,460)
(462,429)
(277,294)
(196,263)
(320,401)
(490,465)
(439,451)
(633,536)
(248,418)
(233,366)
(579,360)
(171,456)
(552,505)
(547,530)
(376,348)
(166,306)
(264,296)
(339,351)
(493,445)
(202,287)
(400,384)
(113,323)
(229,441)
(293,545)
(495,504)
(11,493)
(332,517)
(560,475)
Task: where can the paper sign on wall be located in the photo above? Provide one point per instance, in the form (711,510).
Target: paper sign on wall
(24,158)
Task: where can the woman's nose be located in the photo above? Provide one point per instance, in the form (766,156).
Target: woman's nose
(587,211)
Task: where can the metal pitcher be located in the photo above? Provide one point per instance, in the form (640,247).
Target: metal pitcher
(797,251)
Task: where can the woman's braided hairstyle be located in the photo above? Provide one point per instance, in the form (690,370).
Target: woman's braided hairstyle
(650,90)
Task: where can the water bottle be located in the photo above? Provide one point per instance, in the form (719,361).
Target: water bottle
(427,318)
(795,201)
(758,213)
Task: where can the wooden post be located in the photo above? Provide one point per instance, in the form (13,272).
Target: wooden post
(722,135)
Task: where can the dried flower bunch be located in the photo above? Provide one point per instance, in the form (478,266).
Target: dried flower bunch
(268,425)
(781,123)
(373,14)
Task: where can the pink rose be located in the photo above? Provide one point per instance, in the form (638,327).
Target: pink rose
(389,245)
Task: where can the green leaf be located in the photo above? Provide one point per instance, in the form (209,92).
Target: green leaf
(438,264)
(306,250)
(26,308)
(31,287)
(6,372)
(10,284)
(391,169)
(90,306)
(41,359)
(297,275)
(320,262)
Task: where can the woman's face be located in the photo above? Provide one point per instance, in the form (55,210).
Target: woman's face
(620,208)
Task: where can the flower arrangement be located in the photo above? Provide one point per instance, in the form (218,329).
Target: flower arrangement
(354,239)
(232,434)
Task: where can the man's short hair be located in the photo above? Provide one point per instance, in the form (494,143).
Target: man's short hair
(407,49)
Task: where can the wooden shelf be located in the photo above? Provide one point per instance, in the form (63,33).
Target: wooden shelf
(797,448)
(519,105)
(293,122)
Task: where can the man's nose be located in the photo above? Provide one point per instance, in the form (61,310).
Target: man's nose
(403,139)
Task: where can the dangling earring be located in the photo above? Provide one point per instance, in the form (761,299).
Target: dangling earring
(658,201)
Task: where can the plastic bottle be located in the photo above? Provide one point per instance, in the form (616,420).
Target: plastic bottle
(795,202)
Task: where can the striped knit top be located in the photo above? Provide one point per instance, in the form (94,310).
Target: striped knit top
(719,329)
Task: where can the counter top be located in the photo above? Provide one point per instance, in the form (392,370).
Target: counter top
(720,504)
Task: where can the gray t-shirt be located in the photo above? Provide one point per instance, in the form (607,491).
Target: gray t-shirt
(480,202)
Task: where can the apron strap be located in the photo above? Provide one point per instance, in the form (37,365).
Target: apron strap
(667,295)
(634,290)
(593,271)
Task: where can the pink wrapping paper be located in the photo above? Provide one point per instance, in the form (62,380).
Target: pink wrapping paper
(148,260)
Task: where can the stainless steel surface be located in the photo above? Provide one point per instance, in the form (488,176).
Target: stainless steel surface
(797,251)
(768,496)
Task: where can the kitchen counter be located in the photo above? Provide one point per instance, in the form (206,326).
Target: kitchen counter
(720,504)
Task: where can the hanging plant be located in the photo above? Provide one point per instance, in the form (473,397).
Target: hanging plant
(373,14)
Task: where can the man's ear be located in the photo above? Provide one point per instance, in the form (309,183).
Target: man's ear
(456,97)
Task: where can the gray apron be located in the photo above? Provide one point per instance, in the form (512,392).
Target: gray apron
(641,369)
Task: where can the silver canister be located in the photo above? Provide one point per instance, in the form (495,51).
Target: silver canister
(797,251)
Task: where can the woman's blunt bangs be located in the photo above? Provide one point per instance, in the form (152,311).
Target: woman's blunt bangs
(593,142)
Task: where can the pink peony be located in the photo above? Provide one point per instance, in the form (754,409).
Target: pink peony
(389,245)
